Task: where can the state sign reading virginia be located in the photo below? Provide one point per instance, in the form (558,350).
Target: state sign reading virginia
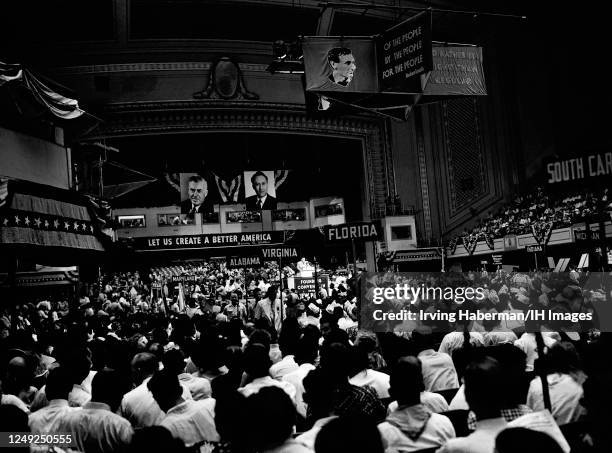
(358,231)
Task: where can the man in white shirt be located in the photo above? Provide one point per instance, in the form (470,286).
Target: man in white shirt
(270,308)
(306,355)
(199,387)
(564,385)
(256,365)
(438,369)
(454,340)
(191,421)
(412,426)
(367,376)
(482,380)
(527,344)
(57,389)
(96,428)
(138,405)
(287,342)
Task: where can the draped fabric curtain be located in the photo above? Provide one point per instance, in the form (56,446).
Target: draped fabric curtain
(59,105)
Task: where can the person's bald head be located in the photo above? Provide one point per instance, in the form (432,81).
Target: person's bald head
(144,364)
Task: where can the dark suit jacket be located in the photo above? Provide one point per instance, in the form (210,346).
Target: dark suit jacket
(251,203)
(206,207)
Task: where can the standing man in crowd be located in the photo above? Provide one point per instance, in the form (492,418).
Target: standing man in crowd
(261,200)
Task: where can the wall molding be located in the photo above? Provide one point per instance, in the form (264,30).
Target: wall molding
(150,118)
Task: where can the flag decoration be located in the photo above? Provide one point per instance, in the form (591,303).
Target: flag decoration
(469,242)
(489,239)
(452,245)
(45,216)
(9,72)
(280,176)
(3,191)
(541,231)
(59,105)
(228,190)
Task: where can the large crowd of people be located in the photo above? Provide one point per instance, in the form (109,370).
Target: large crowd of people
(542,207)
(233,364)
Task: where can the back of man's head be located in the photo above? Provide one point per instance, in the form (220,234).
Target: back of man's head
(272,416)
(483,379)
(144,364)
(174,361)
(406,381)
(107,387)
(349,434)
(318,393)
(165,388)
(257,361)
(307,350)
(59,384)
(335,361)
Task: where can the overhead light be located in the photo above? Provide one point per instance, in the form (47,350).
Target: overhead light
(287,58)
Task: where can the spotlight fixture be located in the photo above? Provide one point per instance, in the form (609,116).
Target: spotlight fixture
(288,58)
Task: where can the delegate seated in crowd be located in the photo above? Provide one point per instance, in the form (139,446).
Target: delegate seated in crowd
(209,383)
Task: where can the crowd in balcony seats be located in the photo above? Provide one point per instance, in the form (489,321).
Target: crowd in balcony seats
(233,368)
(540,206)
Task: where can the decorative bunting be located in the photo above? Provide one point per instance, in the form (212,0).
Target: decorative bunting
(228,191)
(541,231)
(280,176)
(469,242)
(9,72)
(489,239)
(3,191)
(452,245)
(38,221)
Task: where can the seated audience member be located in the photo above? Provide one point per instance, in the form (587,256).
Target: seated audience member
(512,440)
(272,418)
(349,435)
(232,420)
(57,389)
(155,438)
(438,369)
(453,341)
(287,342)
(199,388)
(367,376)
(319,399)
(482,378)
(138,405)
(256,366)
(306,355)
(412,426)
(515,383)
(78,363)
(527,344)
(96,428)
(191,421)
(349,399)
(564,388)
(433,401)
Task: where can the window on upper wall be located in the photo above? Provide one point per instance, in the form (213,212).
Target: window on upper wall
(403,232)
(197,19)
(131,221)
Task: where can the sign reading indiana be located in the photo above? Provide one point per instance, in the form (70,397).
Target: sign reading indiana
(203,241)
(358,231)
